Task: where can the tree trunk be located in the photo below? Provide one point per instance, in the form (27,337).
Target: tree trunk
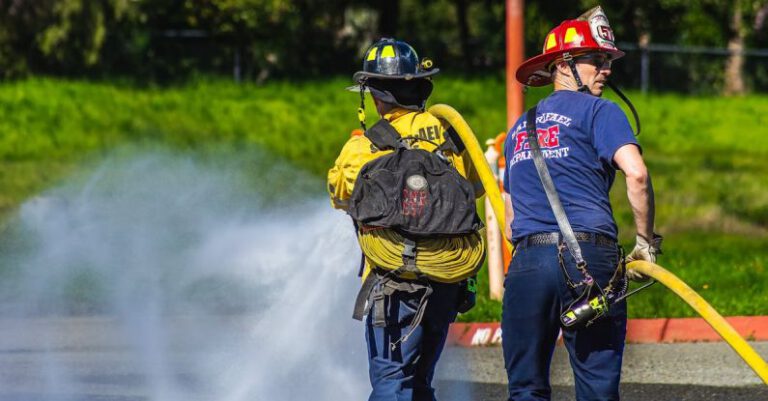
(644,39)
(734,80)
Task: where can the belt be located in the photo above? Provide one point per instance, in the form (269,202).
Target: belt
(554,238)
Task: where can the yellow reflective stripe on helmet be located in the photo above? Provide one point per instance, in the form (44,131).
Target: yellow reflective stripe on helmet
(551,41)
(571,35)
(388,52)
(372,54)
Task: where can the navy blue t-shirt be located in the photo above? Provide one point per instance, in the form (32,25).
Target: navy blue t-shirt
(578,135)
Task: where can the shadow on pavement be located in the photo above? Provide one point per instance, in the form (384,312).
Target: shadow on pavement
(465,391)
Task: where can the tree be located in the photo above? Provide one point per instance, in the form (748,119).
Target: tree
(60,36)
(734,66)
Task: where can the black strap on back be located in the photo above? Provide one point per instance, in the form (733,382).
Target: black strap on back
(549,188)
(452,142)
(383,135)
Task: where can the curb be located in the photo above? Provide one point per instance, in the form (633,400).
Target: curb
(639,331)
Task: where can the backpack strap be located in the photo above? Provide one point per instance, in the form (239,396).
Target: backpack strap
(452,142)
(374,292)
(383,135)
(361,309)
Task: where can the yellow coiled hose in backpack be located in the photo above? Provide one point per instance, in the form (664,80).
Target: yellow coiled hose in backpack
(446,260)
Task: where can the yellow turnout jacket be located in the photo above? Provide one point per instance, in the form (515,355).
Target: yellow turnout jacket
(359,150)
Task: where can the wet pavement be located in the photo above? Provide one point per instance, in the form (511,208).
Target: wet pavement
(82,361)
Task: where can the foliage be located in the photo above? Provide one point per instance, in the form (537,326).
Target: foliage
(169,40)
(712,205)
(727,270)
(63,36)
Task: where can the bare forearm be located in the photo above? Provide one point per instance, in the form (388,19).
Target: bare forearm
(509,215)
(640,194)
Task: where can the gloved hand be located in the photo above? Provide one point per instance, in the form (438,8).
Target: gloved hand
(644,250)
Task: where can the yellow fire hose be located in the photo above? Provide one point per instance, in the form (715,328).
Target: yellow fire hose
(721,326)
(475,151)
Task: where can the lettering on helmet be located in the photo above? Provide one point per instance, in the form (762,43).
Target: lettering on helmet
(601,28)
(605,32)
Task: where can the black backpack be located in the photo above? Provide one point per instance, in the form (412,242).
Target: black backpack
(413,191)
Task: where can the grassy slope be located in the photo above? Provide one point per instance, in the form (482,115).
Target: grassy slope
(708,158)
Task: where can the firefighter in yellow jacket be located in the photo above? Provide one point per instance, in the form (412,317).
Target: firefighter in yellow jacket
(410,189)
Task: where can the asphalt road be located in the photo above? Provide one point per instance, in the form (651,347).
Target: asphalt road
(82,361)
(651,372)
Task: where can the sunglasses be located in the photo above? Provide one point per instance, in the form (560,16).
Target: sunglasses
(599,60)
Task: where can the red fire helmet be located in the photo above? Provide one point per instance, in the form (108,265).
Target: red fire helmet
(575,37)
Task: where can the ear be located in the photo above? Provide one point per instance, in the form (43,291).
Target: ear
(563,68)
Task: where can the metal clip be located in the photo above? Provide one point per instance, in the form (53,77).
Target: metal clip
(409,250)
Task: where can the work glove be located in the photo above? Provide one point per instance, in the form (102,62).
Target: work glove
(644,250)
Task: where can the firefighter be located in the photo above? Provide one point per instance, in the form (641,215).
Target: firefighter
(414,282)
(584,139)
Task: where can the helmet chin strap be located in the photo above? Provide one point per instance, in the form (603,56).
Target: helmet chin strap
(631,106)
(361,109)
(581,87)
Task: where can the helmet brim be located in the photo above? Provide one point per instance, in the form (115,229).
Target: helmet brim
(356,88)
(534,71)
(362,75)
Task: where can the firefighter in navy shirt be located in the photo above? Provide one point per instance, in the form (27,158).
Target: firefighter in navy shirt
(584,140)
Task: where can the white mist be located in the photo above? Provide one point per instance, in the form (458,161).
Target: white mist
(163,277)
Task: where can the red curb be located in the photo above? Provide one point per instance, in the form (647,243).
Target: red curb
(646,330)
(474,334)
(753,328)
(696,329)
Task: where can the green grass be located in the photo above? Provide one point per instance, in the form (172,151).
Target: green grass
(708,157)
(729,271)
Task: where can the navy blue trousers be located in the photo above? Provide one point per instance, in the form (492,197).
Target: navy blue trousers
(535,293)
(405,373)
